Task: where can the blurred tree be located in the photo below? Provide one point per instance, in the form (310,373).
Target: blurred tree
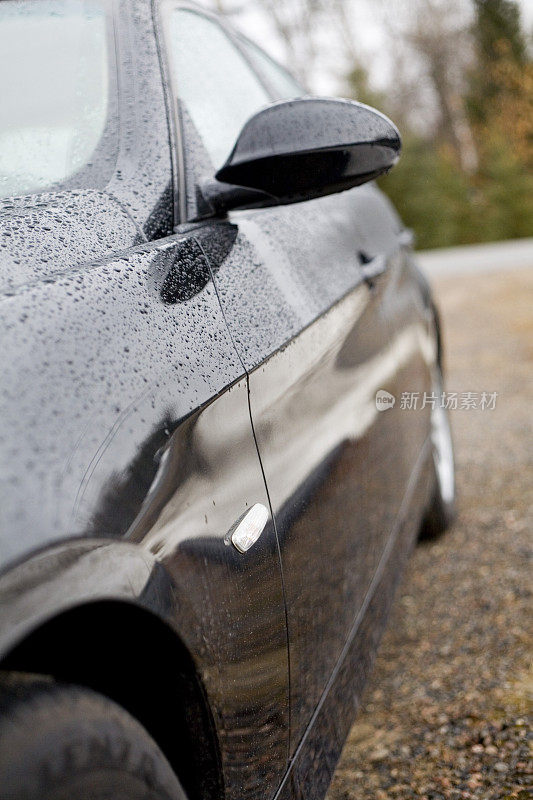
(453,201)
(497,37)
(500,104)
(296,24)
(500,96)
(435,36)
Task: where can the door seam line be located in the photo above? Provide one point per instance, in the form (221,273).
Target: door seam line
(280,567)
(247,374)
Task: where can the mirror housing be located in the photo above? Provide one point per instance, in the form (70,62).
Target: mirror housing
(301,149)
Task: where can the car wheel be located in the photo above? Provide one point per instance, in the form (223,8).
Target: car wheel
(441,511)
(63,742)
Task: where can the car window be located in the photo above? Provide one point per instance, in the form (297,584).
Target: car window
(214,82)
(54,90)
(283,85)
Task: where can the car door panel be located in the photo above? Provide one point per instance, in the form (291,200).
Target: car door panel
(311,333)
(410,323)
(412,319)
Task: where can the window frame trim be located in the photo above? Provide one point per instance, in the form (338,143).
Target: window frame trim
(243,43)
(182,213)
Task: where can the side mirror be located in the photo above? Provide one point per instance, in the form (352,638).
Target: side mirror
(301,149)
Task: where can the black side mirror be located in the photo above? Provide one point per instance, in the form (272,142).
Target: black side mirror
(301,149)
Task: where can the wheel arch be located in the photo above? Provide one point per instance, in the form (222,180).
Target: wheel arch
(124,648)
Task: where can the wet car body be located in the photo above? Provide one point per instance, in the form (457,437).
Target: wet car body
(163,373)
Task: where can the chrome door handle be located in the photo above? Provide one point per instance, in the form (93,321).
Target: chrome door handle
(407,238)
(372,266)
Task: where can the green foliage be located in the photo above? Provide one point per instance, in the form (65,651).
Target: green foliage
(508,192)
(432,196)
(445,206)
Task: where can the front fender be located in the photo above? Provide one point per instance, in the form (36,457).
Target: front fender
(76,573)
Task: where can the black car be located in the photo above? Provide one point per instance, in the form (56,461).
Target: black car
(221,425)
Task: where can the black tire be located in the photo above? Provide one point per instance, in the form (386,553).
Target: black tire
(440,513)
(437,519)
(63,742)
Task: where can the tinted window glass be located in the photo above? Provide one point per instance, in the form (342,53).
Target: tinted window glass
(213,80)
(54,83)
(283,85)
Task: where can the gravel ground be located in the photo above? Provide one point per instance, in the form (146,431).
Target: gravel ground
(446,712)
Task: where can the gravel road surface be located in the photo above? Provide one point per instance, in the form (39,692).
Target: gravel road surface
(445,715)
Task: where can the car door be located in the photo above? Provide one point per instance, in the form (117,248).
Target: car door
(404,306)
(309,328)
(311,334)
